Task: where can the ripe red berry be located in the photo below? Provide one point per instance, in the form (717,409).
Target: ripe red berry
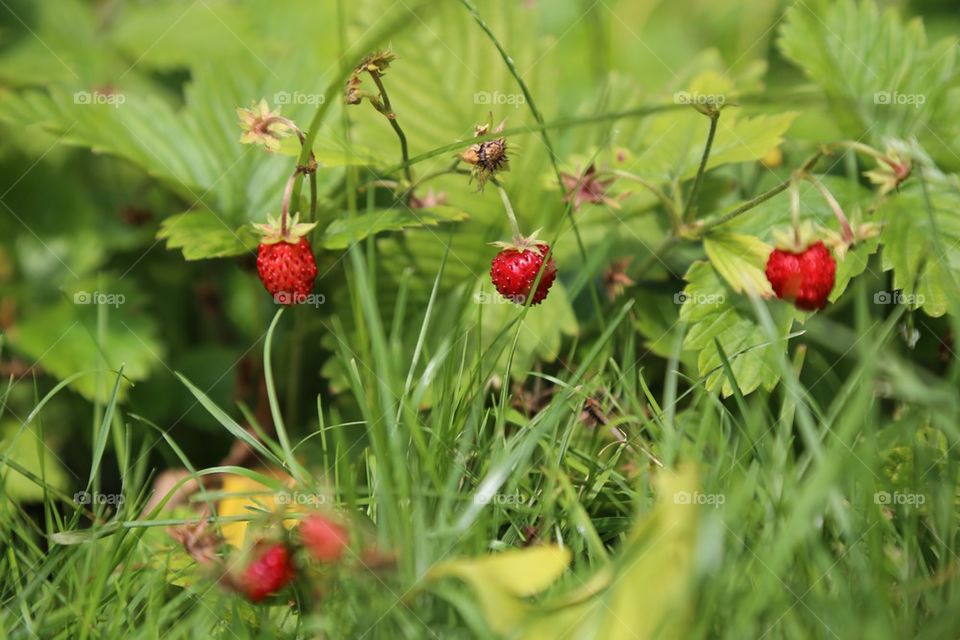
(270,570)
(323,538)
(514,270)
(804,278)
(284,260)
(287,270)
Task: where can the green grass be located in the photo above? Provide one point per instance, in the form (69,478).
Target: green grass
(798,546)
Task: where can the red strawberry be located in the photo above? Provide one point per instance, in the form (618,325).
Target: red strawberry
(514,270)
(324,539)
(285,261)
(270,570)
(805,278)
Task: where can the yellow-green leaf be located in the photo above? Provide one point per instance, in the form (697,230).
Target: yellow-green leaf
(502,580)
(740,259)
(643,592)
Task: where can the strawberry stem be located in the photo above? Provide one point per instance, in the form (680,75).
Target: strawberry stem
(834,205)
(509,208)
(795,211)
(285,207)
(862,148)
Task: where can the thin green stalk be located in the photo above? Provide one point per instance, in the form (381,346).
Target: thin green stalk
(834,206)
(278,424)
(563,123)
(508,207)
(313,195)
(760,199)
(702,169)
(388,112)
(285,205)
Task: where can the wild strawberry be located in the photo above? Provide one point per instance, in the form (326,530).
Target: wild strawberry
(514,270)
(323,538)
(285,261)
(805,278)
(270,571)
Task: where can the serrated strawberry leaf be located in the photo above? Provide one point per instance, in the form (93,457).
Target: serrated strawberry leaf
(714,311)
(922,246)
(845,47)
(740,259)
(202,234)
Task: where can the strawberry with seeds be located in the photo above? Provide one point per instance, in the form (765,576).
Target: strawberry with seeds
(804,278)
(515,269)
(285,260)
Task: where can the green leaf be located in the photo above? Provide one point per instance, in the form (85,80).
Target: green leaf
(740,259)
(672,143)
(715,312)
(202,234)
(167,35)
(62,339)
(25,448)
(342,231)
(845,47)
(922,247)
(853,264)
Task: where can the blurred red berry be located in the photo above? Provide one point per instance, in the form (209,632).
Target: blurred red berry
(323,538)
(270,571)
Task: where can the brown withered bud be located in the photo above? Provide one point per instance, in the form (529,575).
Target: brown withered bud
(489,157)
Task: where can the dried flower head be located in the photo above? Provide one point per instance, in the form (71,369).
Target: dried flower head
(588,187)
(263,126)
(376,63)
(431,199)
(615,278)
(489,157)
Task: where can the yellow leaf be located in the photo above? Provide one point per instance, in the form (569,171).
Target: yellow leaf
(502,580)
(642,593)
(250,498)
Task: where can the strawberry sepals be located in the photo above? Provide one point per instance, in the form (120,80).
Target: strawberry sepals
(273,231)
(891,171)
(524,243)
